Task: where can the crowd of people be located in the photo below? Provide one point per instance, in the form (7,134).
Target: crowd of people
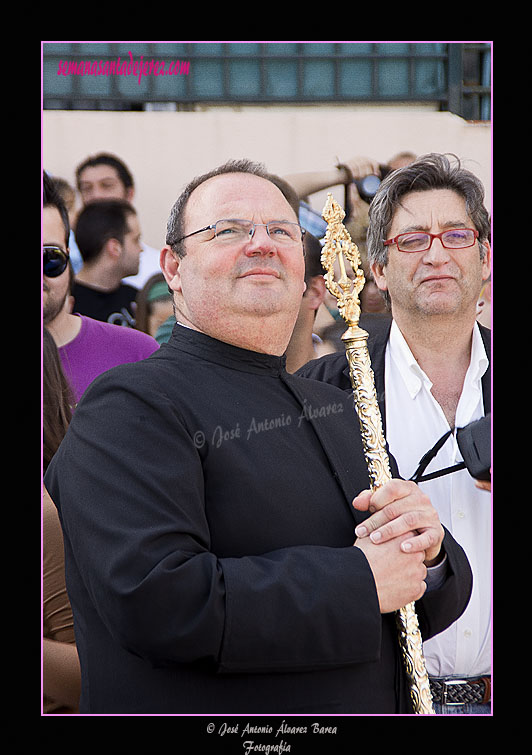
(206,492)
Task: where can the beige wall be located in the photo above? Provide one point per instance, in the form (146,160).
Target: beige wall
(165,149)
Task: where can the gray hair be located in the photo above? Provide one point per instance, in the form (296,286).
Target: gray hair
(432,171)
(175,225)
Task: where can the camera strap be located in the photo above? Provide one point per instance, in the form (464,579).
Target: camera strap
(418,475)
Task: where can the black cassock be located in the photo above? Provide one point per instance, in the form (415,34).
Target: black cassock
(205,497)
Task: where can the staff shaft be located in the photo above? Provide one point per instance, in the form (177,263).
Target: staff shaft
(338,244)
(363,384)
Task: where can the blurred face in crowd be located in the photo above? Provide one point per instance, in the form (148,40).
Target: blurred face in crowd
(371,300)
(131,247)
(55,290)
(438,280)
(222,284)
(102,182)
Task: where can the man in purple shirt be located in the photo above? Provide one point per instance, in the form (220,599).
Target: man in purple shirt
(87,347)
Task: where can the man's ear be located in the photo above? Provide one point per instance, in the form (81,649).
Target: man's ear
(379,276)
(486,262)
(112,248)
(170,262)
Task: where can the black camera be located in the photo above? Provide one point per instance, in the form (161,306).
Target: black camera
(474,442)
(368,185)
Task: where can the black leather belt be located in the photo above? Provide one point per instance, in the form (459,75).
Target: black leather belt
(455,691)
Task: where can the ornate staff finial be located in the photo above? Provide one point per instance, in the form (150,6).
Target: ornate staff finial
(339,246)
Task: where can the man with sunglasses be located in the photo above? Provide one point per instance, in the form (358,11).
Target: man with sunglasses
(206,497)
(87,347)
(429,249)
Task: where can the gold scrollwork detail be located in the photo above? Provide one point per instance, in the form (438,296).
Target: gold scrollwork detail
(339,247)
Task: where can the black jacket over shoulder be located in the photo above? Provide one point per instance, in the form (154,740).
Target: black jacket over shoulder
(334,369)
(205,497)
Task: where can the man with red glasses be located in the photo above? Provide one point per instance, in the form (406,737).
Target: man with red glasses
(206,497)
(429,250)
(87,347)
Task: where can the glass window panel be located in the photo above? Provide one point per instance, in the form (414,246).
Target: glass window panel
(422,48)
(242,48)
(428,77)
(53,84)
(281,80)
(244,78)
(392,78)
(354,79)
(93,49)
(100,86)
(169,49)
(318,78)
(62,48)
(207,48)
(392,48)
(171,87)
(207,81)
(317,48)
(281,48)
(355,48)
(135,48)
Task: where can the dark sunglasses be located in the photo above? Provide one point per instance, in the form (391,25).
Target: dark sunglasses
(54,261)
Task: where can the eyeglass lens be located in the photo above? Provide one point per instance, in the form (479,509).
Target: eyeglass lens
(457,238)
(236,230)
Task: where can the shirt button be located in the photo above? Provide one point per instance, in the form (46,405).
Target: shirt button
(468,633)
(460,514)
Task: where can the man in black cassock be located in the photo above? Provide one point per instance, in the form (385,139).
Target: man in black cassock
(206,498)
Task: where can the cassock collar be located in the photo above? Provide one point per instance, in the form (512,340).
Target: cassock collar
(210,349)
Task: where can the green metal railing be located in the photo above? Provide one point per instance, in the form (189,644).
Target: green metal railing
(128,75)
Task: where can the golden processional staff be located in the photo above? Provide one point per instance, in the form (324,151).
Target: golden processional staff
(339,246)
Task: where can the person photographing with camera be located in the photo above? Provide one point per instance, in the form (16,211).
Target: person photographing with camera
(429,252)
(361,177)
(360,171)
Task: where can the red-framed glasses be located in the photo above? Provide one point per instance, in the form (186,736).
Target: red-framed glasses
(454,238)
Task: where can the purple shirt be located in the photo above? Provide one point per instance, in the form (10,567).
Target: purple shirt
(100,346)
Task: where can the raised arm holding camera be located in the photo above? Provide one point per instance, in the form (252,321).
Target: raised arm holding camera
(361,177)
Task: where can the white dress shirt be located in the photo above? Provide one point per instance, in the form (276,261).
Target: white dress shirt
(414,422)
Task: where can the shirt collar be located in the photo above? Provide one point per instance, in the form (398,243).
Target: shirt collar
(412,374)
(404,361)
(211,349)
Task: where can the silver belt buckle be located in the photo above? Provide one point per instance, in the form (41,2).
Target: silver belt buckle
(448,682)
